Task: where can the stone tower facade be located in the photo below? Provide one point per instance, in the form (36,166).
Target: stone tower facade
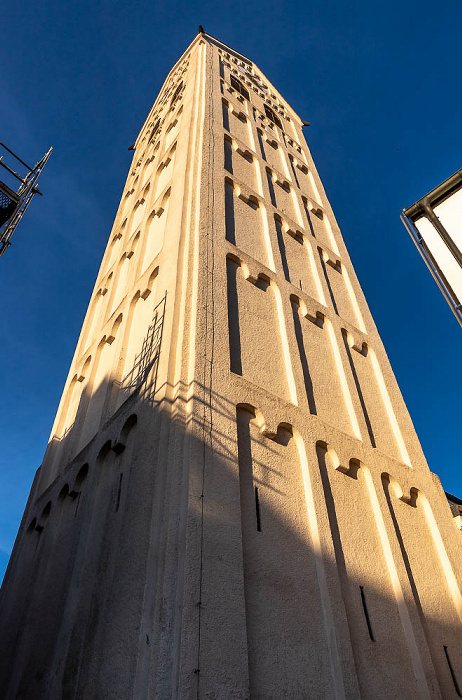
(233,502)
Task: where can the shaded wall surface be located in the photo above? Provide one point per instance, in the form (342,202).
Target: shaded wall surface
(233,502)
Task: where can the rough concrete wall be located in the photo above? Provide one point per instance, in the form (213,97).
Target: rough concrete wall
(98,519)
(233,502)
(316,378)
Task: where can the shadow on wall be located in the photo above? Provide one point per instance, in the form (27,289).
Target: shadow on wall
(147,520)
(92,398)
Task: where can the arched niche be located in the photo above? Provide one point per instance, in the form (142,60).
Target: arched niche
(120,282)
(154,232)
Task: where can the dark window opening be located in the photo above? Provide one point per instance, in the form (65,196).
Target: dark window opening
(237,85)
(257,509)
(154,131)
(366,614)
(271,115)
(176,94)
(453,675)
(119,492)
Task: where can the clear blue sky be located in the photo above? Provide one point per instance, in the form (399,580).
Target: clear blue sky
(379,82)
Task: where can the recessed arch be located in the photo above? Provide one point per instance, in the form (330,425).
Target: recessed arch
(164,201)
(81,476)
(113,251)
(64,492)
(128,426)
(146,190)
(32,525)
(138,213)
(108,282)
(94,317)
(135,240)
(150,284)
(332,454)
(154,233)
(104,451)
(46,511)
(258,416)
(135,298)
(115,327)
(123,271)
(85,367)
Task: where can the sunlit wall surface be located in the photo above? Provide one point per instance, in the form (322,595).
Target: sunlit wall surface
(233,502)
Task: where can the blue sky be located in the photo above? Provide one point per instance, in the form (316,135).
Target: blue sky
(380,84)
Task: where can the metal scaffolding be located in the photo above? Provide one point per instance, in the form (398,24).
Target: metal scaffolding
(13,204)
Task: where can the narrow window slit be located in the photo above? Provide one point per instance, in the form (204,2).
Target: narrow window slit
(257,509)
(119,491)
(453,675)
(77,504)
(366,613)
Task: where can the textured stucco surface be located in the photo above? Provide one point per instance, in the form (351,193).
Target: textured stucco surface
(233,502)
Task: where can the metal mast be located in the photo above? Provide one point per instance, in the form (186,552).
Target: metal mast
(14,204)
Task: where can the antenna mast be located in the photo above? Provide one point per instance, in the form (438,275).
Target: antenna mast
(13,204)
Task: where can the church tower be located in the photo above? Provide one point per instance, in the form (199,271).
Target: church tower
(233,502)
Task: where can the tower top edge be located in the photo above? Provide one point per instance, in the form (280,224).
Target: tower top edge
(241,56)
(197,39)
(200,37)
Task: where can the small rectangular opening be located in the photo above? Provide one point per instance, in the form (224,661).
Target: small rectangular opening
(77,503)
(366,613)
(119,491)
(176,94)
(453,675)
(257,509)
(272,116)
(154,131)
(237,85)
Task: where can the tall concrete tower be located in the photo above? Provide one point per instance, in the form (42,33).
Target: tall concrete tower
(233,502)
